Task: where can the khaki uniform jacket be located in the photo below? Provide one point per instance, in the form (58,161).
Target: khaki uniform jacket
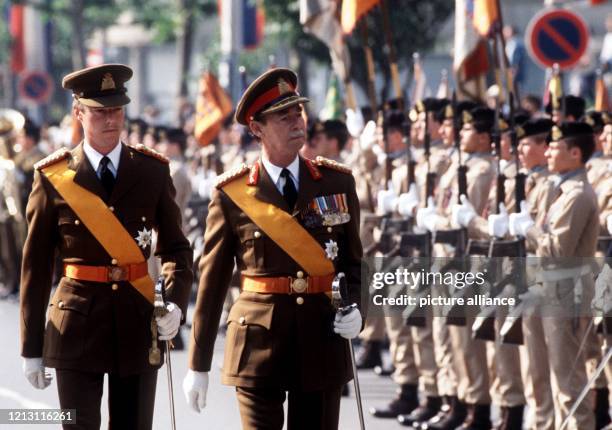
(98,328)
(604,202)
(273,340)
(598,170)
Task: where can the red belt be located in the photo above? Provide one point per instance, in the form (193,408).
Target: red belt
(288,285)
(129,272)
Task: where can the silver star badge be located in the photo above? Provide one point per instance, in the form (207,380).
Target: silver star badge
(331,249)
(144,237)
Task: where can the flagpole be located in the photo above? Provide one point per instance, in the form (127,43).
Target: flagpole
(392,55)
(363,26)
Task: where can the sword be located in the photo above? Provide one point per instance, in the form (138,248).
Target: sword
(339,297)
(161,310)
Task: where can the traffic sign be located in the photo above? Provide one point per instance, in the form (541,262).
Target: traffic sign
(35,86)
(557,36)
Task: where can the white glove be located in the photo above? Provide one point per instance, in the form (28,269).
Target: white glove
(195,386)
(463,213)
(609,223)
(368,136)
(34,370)
(407,202)
(168,325)
(602,300)
(520,222)
(387,199)
(354,122)
(427,218)
(534,295)
(348,326)
(498,223)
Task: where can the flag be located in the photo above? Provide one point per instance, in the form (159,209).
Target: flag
(253,22)
(555,90)
(419,80)
(333,102)
(212,107)
(471,61)
(485,16)
(17,32)
(353,10)
(602,102)
(596,2)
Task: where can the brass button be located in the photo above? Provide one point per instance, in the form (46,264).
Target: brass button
(60,305)
(112,208)
(77,222)
(242,320)
(113,261)
(257,235)
(300,274)
(115,287)
(299,300)
(144,218)
(329,229)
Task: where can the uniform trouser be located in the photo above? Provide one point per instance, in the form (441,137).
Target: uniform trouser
(130,399)
(373,330)
(595,354)
(447,372)
(539,371)
(262,409)
(507,383)
(471,358)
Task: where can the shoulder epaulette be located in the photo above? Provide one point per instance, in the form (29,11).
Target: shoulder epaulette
(53,158)
(326,162)
(150,152)
(230,175)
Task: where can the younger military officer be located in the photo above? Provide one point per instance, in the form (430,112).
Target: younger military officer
(291,225)
(97,206)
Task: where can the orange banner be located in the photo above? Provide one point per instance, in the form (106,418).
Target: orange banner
(485,16)
(212,107)
(353,10)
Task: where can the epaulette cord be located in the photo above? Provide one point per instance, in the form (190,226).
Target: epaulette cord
(150,152)
(53,158)
(326,162)
(230,175)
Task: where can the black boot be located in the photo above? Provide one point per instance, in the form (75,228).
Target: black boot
(511,418)
(384,371)
(369,355)
(345,390)
(602,408)
(405,402)
(422,413)
(478,418)
(449,421)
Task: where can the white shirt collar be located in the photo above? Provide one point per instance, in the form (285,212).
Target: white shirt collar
(275,172)
(95,157)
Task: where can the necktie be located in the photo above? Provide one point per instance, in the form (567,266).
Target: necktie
(289,191)
(106,176)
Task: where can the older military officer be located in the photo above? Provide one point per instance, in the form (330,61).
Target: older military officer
(290,224)
(96,206)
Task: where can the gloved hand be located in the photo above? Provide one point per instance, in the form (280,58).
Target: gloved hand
(387,199)
(354,122)
(368,136)
(463,213)
(498,223)
(609,223)
(533,296)
(168,325)
(407,202)
(602,300)
(195,386)
(427,217)
(348,326)
(520,222)
(34,370)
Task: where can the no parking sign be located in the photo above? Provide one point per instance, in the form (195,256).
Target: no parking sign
(557,36)
(35,86)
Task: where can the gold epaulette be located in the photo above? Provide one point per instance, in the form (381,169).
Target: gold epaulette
(230,175)
(150,152)
(326,162)
(53,158)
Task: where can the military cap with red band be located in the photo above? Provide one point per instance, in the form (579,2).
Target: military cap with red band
(273,91)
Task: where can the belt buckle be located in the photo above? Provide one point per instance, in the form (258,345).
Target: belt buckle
(117,273)
(299,285)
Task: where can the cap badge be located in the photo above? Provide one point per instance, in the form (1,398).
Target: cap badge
(557,134)
(107,82)
(284,87)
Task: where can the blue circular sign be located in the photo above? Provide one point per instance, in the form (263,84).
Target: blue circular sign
(35,86)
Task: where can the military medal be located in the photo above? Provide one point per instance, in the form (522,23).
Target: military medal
(331,249)
(144,237)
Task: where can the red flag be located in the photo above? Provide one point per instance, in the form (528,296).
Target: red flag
(596,2)
(212,107)
(18,38)
(602,102)
(353,10)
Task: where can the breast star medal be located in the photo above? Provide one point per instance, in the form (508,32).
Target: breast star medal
(144,237)
(331,249)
